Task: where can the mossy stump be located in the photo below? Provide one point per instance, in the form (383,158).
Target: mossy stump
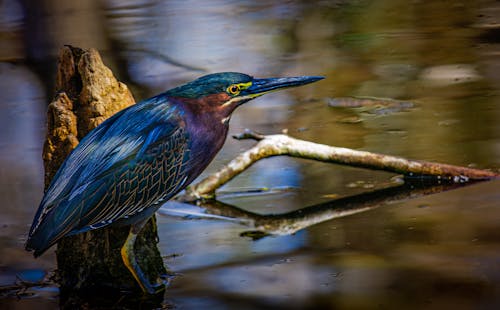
(87,93)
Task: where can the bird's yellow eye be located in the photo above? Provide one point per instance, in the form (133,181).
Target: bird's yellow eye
(233,89)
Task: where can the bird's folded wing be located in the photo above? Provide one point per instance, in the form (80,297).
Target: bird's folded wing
(117,169)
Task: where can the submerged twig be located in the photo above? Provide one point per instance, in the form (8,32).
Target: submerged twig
(274,145)
(21,286)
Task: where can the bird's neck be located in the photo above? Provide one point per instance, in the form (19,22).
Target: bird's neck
(207,113)
(207,130)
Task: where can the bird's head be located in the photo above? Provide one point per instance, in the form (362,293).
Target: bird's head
(223,92)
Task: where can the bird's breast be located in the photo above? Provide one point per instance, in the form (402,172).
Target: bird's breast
(206,138)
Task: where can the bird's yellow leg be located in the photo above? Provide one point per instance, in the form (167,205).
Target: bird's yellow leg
(128,256)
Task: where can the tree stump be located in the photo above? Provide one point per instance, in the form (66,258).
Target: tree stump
(87,93)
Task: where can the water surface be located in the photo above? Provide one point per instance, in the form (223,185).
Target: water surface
(438,251)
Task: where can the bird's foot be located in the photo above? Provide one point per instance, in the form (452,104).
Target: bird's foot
(170,273)
(169,276)
(153,288)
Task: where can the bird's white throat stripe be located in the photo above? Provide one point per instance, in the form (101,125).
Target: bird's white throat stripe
(233,100)
(238,99)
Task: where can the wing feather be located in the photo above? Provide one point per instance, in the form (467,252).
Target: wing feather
(129,162)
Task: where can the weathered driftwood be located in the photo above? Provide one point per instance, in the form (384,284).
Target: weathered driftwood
(274,145)
(87,94)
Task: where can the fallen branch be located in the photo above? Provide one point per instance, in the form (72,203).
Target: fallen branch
(274,145)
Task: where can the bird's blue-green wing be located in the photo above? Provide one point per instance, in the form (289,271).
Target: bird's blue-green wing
(131,161)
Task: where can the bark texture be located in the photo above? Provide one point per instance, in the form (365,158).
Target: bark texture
(87,93)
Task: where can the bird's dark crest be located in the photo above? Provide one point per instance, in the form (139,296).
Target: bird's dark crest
(209,84)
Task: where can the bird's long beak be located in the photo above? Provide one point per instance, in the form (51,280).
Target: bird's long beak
(263,86)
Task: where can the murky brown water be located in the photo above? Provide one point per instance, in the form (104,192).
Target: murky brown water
(438,251)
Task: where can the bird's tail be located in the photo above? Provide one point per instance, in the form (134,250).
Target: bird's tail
(37,246)
(45,234)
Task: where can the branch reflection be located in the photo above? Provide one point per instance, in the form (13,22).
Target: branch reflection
(261,225)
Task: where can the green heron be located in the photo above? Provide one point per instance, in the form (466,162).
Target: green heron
(142,156)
